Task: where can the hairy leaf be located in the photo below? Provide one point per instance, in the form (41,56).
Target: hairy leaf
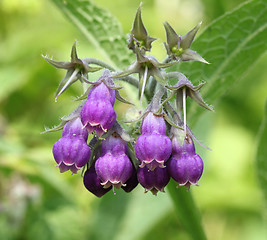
(262,155)
(232,44)
(100,28)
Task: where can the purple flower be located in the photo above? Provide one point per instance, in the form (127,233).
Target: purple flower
(71,152)
(153,181)
(153,147)
(93,183)
(185,166)
(114,167)
(102,92)
(75,128)
(131,183)
(153,124)
(97,113)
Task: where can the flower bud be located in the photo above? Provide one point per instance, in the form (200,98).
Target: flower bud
(153,181)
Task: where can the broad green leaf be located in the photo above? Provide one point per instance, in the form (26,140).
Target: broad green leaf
(109,214)
(262,155)
(100,28)
(151,208)
(186,210)
(232,44)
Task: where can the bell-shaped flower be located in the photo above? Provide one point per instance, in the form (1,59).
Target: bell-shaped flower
(93,184)
(185,166)
(114,166)
(98,113)
(71,152)
(153,147)
(153,181)
(131,183)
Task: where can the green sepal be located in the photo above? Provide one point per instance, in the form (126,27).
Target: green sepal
(58,64)
(190,55)
(56,128)
(172,37)
(187,39)
(132,156)
(121,99)
(73,54)
(168,120)
(116,128)
(178,48)
(76,70)
(191,91)
(62,87)
(139,35)
(84,95)
(139,30)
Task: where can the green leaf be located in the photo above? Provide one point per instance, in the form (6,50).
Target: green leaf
(262,155)
(109,212)
(186,210)
(100,28)
(232,44)
(151,209)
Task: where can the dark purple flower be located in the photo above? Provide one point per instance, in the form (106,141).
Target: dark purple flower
(153,147)
(93,183)
(131,183)
(153,181)
(71,152)
(185,166)
(114,167)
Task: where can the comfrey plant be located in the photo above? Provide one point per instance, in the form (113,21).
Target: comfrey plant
(116,158)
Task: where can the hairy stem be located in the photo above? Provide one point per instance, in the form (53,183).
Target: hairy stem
(98,62)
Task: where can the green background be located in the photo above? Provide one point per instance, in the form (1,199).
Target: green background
(37,202)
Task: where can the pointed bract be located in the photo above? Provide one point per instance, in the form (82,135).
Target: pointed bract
(145,66)
(178,48)
(191,91)
(139,37)
(76,68)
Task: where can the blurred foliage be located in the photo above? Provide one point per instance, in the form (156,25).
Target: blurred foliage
(36,202)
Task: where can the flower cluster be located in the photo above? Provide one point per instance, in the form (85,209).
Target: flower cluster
(113,156)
